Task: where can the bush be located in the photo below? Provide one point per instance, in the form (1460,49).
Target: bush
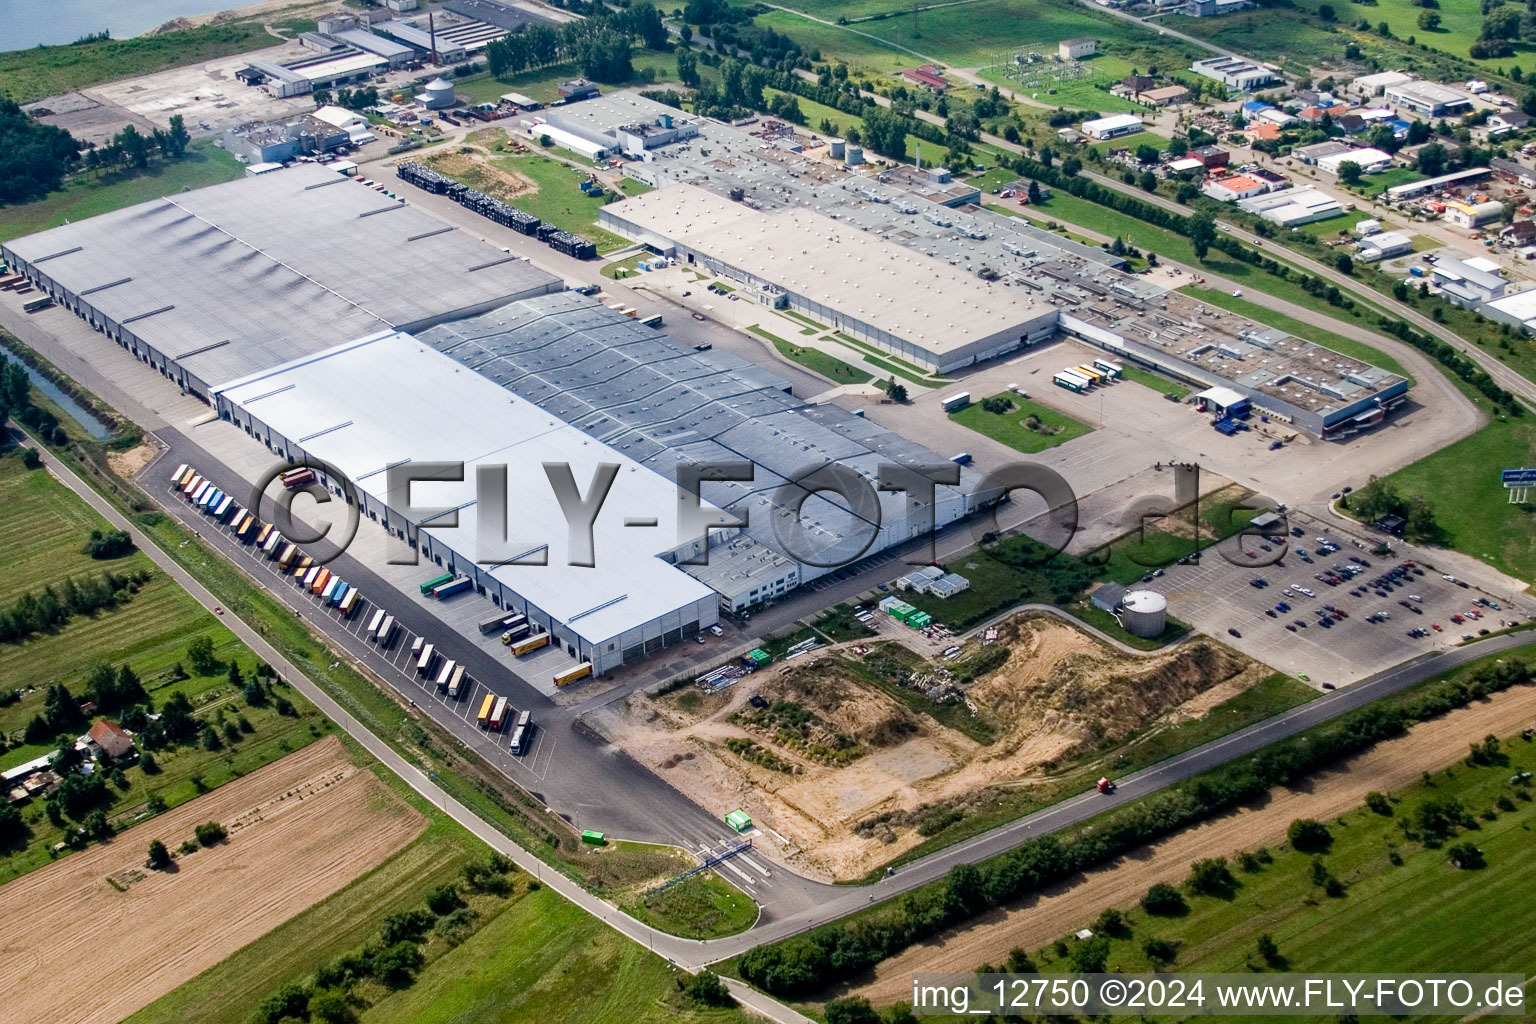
(1112,923)
(405,926)
(1467,857)
(396,965)
(1161,951)
(1379,803)
(445,899)
(1163,900)
(1211,877)
(159,856)
(209,833)
(706,989)
(1308,836)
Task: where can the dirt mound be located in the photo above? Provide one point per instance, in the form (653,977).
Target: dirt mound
(849,759)
(470,166)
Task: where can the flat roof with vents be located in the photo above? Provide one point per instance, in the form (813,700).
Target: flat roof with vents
(904,293)
(279,266)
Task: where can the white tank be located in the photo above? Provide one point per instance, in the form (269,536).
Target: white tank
(1145,613)
(855,155)
(835,148)
(436,94)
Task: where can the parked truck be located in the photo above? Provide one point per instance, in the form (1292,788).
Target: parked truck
(457,585)
(386,634)
(445,673)
(351,603)
(457,683)
(424,660)
(531,643)
(571,675)
(433,584)
(498,715)
(296,478)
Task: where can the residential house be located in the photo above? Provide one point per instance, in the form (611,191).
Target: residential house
(1507,121)
(110,738)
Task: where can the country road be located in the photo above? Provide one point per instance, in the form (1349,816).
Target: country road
(833,902)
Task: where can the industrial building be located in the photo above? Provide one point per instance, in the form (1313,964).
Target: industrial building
(1427,99)
(1321,392)
(211,285)
(1077,49)
(1114,126)
(360,406)
(621,122)
(1235,73)
(1384,246)
(1468,283)
(280,141)
(1293,207)
(666,406)
(303,75)
(934,315)
(1370,161)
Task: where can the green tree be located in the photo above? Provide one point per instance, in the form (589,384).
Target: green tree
(1163,900)
(159,856)
(1429,21)
(1466,857)
(1202,232)
(1211,877)
(896,391)
(200,656)
(851,1010)
(210,833)
(706,989)
(1349,173)
(1269,950)
(1161,951)
(1090,956)
(331,1006)
(1309,836)
(396,965)
(1344,263)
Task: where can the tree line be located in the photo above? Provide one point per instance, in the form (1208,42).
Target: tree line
(132,148)
(837,952)
(34,157)
(600,43)
(50,607)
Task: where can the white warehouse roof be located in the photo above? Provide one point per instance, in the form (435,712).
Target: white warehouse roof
(911,296)
(1110,123)
(389,398)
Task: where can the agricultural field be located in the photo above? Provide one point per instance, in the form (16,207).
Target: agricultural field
(1023,425)
(91,193)
(966,35)
(297,831)
(149,630)
(865,751)
(516,952)
(1399,904)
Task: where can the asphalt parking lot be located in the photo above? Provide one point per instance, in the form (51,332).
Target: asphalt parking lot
(1217,597)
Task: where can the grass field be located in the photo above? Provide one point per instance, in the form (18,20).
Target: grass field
(89,194)
(47,70)
(1375,184)
(1081,94)
(961,35)
(1460,24)
(815,360)
(543,961)
(1009,428)
(558,200)
(1319,335)
(1461,480)
(150,631)
(705,906)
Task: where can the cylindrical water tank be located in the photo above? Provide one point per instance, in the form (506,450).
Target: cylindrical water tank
(835,148)
(855,155)
(1145,613)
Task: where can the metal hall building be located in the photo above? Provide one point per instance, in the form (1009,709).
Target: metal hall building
(214,284)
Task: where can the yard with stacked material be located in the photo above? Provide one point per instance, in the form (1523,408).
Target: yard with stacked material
(298,830)
(1400,905)
(865,752)
(149,629)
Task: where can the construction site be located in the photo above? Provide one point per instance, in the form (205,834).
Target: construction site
(855,753)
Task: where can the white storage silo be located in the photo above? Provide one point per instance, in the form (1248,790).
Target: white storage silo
(1145,613)
(855,155)
(835,148)
(436,94)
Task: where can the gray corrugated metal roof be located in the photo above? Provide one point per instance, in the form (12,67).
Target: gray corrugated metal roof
(279,265)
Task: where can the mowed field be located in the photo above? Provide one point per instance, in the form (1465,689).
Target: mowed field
(1063,909)
(299,830)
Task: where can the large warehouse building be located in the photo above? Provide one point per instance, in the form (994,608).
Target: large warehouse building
(932,314)
(360,407)
(657,401)
(211,285)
